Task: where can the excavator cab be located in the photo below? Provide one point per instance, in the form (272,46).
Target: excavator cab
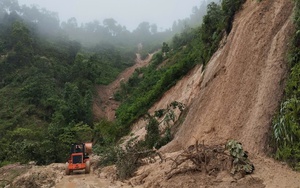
(79,158)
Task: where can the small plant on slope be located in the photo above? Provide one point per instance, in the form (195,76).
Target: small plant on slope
(240,158)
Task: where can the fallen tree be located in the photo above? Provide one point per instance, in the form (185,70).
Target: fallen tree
(212,159)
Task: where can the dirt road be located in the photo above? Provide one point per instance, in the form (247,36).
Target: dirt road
(104,178)
(81,180)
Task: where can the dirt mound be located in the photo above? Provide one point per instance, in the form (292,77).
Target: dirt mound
(9,172)
(104,105)
(158,175)
(40,177)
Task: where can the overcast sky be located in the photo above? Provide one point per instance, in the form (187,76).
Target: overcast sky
(129,13)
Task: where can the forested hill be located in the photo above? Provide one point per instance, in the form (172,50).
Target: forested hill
(48,73)
(47,85)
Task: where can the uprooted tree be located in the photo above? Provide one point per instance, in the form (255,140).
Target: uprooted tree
(212,159)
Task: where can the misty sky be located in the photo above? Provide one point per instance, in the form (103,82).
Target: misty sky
(129,13)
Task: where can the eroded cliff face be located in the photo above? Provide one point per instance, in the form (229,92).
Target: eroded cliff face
(235,97)
(243,83)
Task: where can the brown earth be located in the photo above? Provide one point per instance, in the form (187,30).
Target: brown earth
(35,176)
(243,83)
(235,97)
(104,105)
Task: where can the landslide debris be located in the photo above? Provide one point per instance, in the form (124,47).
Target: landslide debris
(39,176)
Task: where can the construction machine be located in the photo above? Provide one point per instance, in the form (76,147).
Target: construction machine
(79,158)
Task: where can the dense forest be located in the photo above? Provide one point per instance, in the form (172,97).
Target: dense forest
(48,74)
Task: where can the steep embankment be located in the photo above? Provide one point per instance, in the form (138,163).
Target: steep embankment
(240,88)
(235,98)
(244,80)
(104,106)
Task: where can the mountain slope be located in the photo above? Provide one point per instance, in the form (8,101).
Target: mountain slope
(105,106)
(235,97)
(243,82)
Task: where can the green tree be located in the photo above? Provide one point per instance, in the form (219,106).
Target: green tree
(22,43)
(165,48)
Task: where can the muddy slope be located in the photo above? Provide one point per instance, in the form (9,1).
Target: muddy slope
(104,106)
(235,97)
(243,83)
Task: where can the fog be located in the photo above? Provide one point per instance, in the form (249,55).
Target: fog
(129,13)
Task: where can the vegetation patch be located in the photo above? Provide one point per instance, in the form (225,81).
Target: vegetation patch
(128,157)
(192,46)
(286,123)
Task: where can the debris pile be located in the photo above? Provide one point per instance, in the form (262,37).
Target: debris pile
(40,177)
(212,160)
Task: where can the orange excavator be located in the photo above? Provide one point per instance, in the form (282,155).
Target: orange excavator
(79,158)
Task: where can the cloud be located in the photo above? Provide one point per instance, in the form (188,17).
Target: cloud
(129,13)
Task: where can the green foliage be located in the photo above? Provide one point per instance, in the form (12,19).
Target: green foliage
(153,135)
(286,123)
(211,31)
(105,133)
(165,48)
(47,87)
(140,93)
(108,154)
(191,47)
(230,7)
(241,163)
(128,160)
(156,136)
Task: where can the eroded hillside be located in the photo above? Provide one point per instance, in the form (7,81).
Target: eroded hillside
(239,90)
(236,96)
(104,106)
(244,80)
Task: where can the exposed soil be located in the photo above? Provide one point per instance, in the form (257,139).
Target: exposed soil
(235,98)
(243,83)
(104,106)
(37,176)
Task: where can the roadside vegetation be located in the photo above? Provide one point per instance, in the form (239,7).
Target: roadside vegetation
(286,124)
